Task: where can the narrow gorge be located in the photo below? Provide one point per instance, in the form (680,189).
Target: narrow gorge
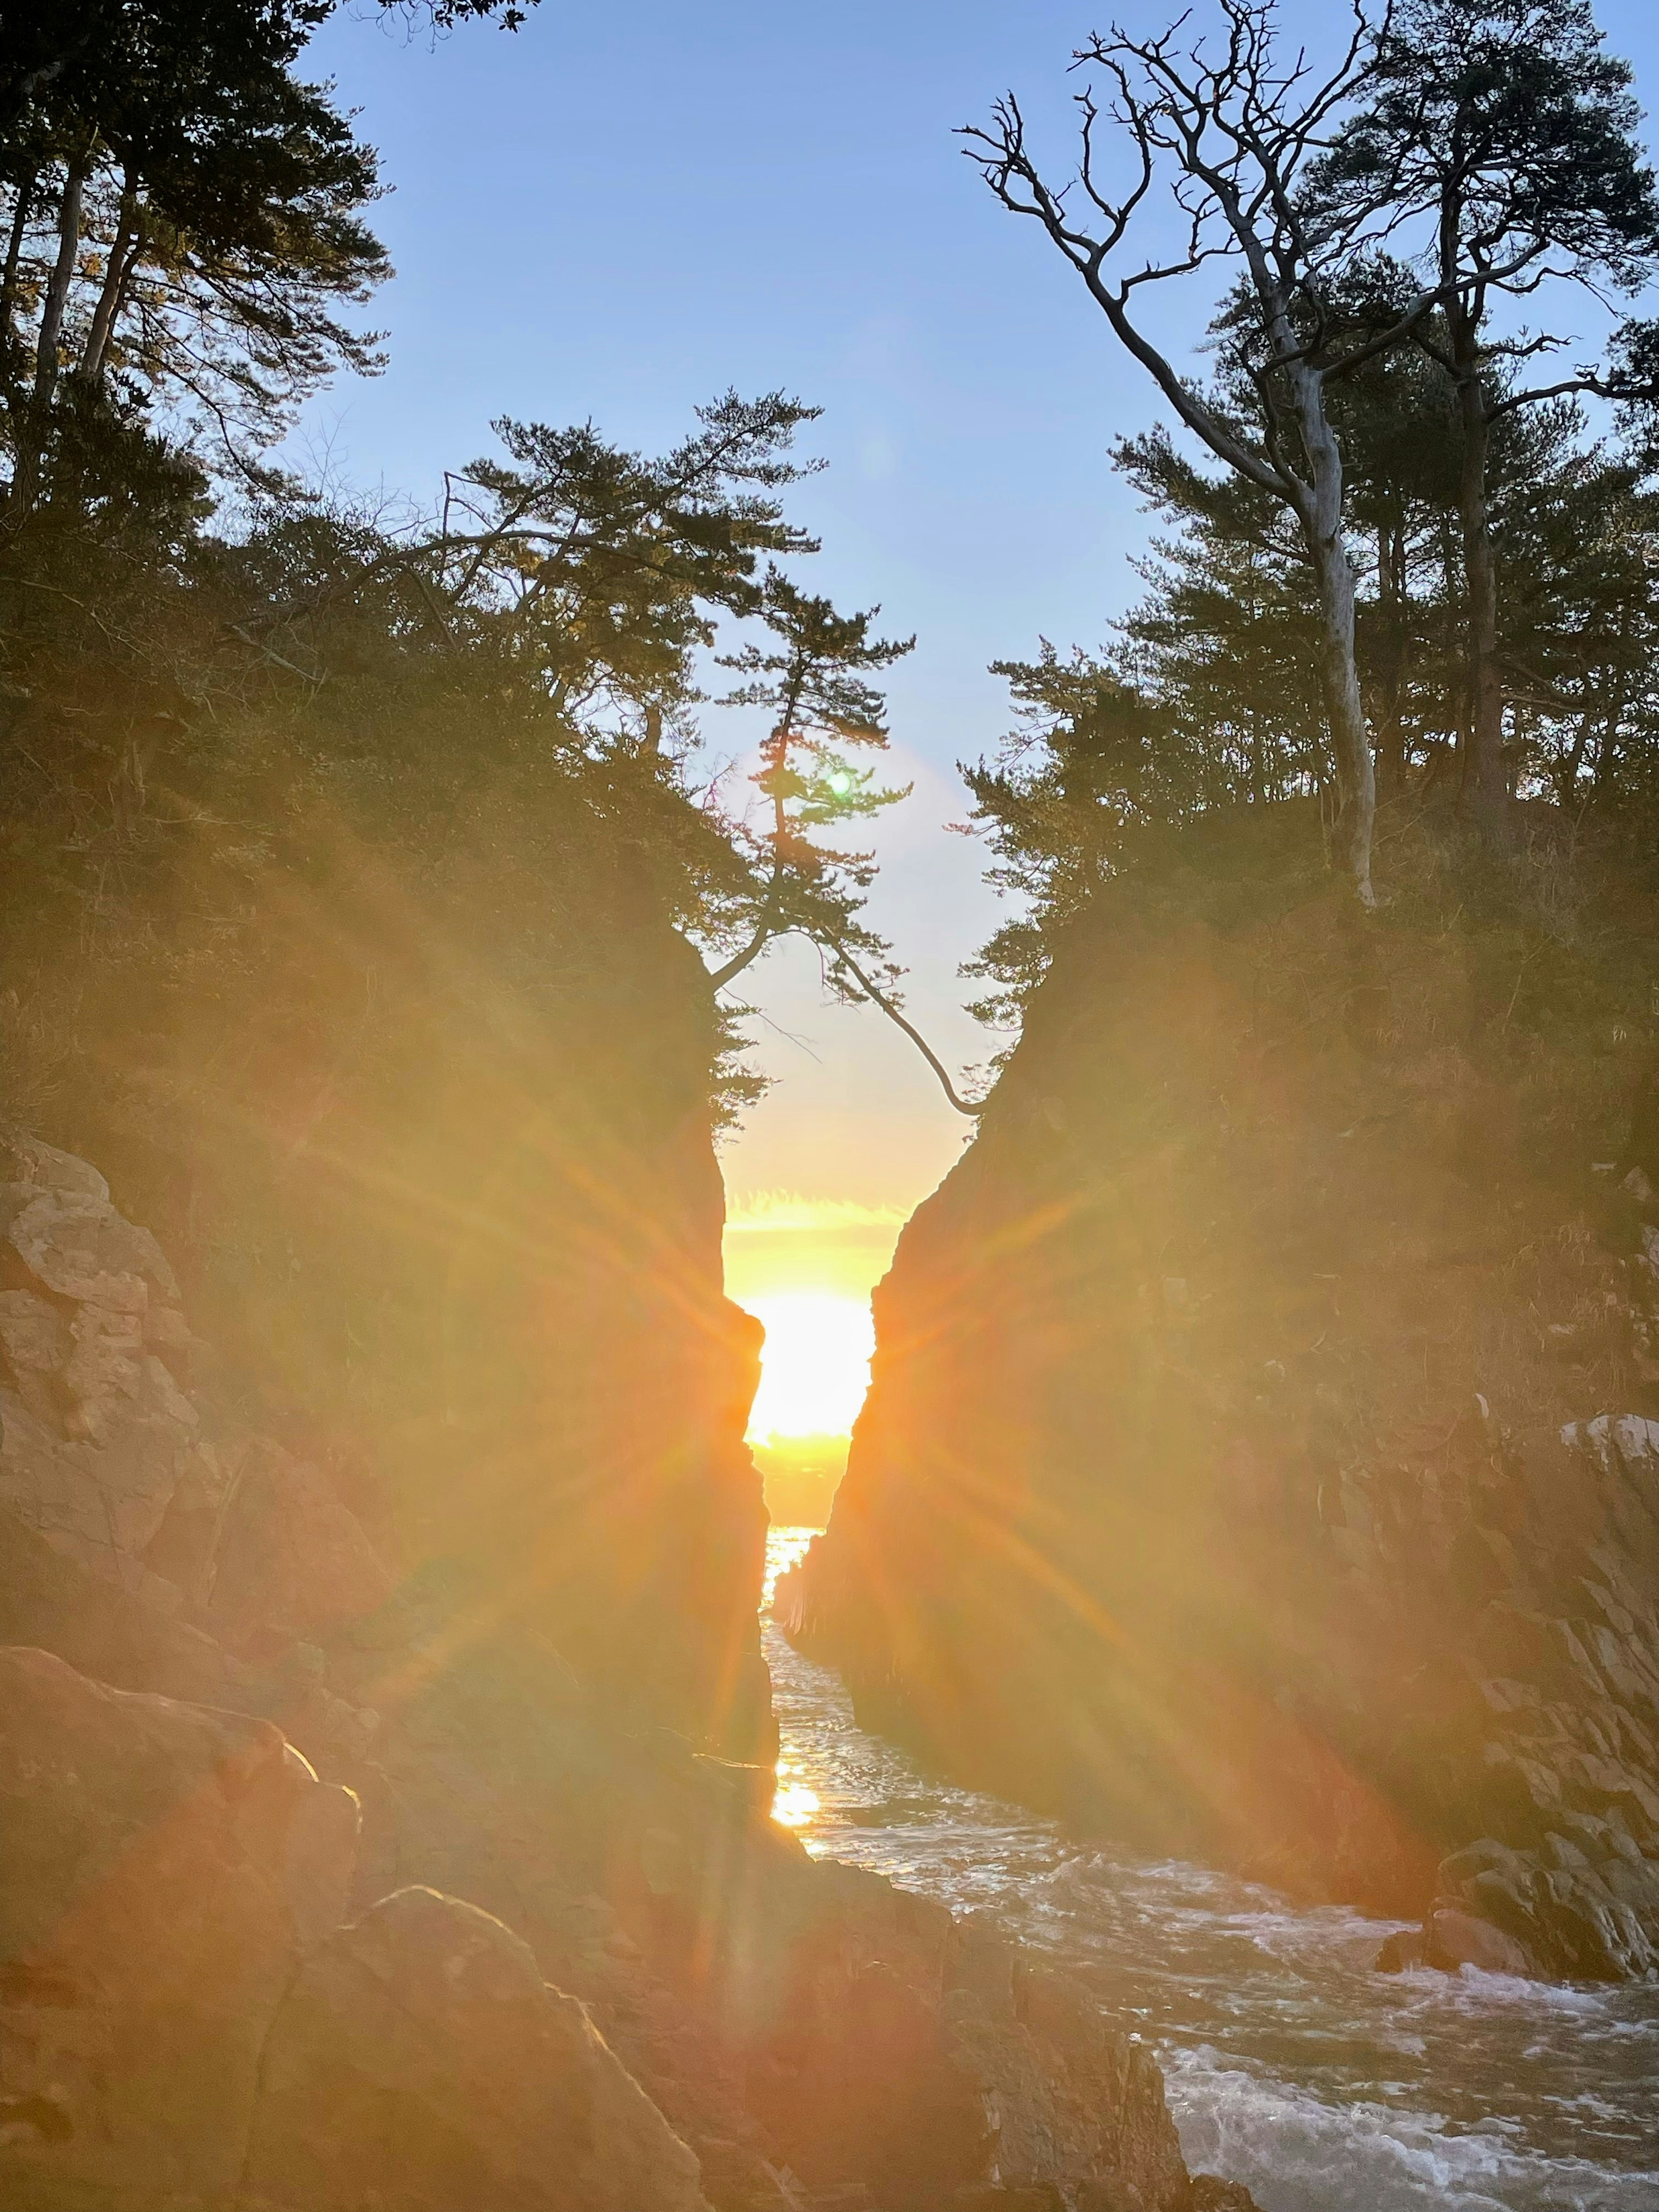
(828,1108)
(386,1781)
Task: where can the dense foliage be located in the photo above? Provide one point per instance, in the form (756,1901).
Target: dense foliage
(223,695)
(333,833)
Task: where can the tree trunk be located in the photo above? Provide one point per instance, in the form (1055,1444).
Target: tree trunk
(1355,779)
(20,221)
(1391,605)
(1564,774)
(122,254)
(1485,795)
(1338,671)
(57,291)
(32,444)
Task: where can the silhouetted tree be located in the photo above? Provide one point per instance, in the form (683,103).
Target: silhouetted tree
(1504,127)
(184,225)
(814,684)
(1233,131)
(1203,698)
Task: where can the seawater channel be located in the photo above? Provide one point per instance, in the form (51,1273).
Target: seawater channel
(1292,2064)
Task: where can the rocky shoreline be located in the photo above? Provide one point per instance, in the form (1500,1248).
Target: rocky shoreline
(328,1884)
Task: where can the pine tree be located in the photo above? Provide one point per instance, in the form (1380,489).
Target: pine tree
(1504,130)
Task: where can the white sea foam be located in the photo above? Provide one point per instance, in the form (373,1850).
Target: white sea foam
(1299,2153)
(1293,2064)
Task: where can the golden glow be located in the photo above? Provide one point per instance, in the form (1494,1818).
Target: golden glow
(785,1549)
(815,1363)
(765,1212)
(776,1240)
(795,1804)
(805,1268)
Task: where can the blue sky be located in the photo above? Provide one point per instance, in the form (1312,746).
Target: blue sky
(618,212)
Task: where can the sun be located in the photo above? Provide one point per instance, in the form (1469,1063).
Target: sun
(815,1364)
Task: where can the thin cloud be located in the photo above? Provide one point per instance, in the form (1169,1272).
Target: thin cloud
(766,1212)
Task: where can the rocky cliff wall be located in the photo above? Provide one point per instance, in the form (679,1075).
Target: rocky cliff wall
(333,1879)
(457,1264)
(1257,1463)
(423,1125)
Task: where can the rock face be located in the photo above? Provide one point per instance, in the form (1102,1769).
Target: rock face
(230,1985)
(185,2025)
(805,2027)
(165,1867)
(1237,1475)
(96,1435)
(290,1561)
(454,1236)
(105,1451)
(419,2060)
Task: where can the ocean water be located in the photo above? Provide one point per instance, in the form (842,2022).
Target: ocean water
(1292,2064)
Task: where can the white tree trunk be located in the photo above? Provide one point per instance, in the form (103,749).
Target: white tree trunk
(1321,518)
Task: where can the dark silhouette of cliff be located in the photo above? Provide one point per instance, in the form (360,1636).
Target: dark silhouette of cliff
(368,1845)
(1257,1463)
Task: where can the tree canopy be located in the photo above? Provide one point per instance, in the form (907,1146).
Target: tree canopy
(1411,227)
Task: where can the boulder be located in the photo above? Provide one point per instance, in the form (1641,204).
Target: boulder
(32,1164)
(1454,1939)
(1406,1948)
(95,1433)
(78,1246)
(419,2064)
(166,1867)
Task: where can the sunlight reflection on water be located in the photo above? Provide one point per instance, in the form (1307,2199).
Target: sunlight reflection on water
(1292,2064)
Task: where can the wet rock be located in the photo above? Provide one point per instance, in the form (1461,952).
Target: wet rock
(1079,2105)
(1454,1939)
(165,1867)
(1401,1951)
(1211,2194)
(420,2064)
(1584,1908)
